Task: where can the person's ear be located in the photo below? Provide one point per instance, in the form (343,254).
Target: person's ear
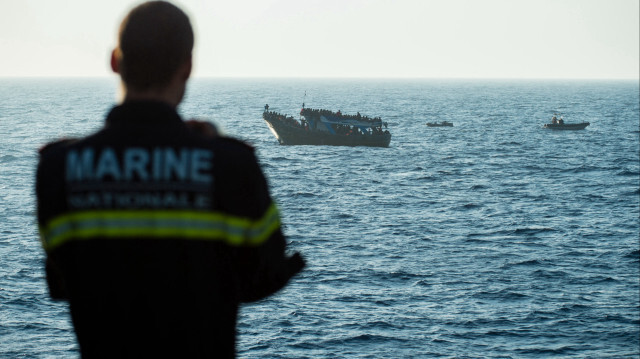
(115,61)
(186,69)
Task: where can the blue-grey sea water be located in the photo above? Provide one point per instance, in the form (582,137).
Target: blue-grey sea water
(494,238)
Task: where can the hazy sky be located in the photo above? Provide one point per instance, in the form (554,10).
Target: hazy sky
(343,38)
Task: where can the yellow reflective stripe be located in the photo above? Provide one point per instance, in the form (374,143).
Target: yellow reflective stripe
(265,226)
(186,224)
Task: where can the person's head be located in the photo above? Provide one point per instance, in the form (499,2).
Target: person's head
(155,41)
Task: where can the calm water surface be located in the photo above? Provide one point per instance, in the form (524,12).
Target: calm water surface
(492,238)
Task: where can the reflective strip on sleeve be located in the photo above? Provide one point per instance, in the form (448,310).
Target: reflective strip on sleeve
(185,224)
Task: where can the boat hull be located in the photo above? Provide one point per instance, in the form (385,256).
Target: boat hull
(566,126)
(288,134)
(443,124)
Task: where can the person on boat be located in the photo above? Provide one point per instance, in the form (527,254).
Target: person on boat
(554,120)
(266,107)
(156,231)
(561,121)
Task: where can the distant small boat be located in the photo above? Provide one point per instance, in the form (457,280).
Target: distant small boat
(440,124)
(558,124)
(566,126)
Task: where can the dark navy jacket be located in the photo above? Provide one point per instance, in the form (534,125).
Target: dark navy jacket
(154,234)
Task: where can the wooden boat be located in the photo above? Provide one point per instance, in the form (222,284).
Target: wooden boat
(325,127)
(440,124)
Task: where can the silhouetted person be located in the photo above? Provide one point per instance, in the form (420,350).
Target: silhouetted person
(156,229)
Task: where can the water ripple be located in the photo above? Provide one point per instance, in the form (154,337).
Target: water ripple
(490,239)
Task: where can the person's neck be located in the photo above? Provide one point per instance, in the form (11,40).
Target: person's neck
(169,95)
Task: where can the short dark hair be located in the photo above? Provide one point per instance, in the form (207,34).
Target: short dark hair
(155,38)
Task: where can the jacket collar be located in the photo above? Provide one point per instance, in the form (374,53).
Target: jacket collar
(142,112)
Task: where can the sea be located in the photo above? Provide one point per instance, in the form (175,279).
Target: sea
(494,238)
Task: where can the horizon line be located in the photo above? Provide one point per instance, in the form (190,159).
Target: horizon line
(265,77)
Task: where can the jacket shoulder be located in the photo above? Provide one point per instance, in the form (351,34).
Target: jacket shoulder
(235,143)
(52,146)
